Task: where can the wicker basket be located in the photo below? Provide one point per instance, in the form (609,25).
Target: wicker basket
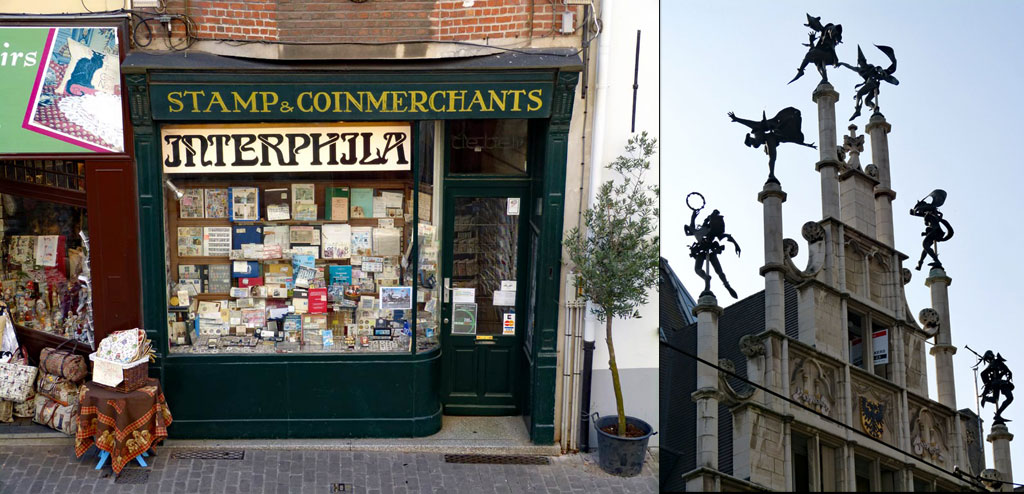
(134,374)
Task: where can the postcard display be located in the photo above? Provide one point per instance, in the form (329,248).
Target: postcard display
(264,266)
(44,273)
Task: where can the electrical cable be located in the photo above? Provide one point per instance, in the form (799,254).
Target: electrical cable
(386,43)
(802,406)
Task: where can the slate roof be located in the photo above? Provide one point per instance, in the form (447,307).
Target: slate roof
(678,374)
(676,303)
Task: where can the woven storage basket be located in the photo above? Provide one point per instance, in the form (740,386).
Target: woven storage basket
(134,374)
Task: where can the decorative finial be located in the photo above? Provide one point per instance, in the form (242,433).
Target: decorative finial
(706,246)
(853,145)
(934,223)
(821,47)
(783,127)
(873,76)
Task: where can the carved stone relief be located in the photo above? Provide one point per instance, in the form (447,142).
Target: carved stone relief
(813,384)
(928,435)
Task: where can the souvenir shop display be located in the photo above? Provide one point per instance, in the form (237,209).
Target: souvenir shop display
(44,270)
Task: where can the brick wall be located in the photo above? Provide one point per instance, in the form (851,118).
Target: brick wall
(237,19)
(344,21)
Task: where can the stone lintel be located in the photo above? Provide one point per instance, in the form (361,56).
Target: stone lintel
(706,394)
(858,174)
(944,349)
(707,303)
(877,120)
(826,91)
(937,275)
(773,266)
(771,190)
(885,191)
(823,163)
(999,431)
(763,410)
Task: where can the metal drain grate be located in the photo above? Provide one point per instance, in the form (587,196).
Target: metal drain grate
(209,454)
(133,476)
(498,459)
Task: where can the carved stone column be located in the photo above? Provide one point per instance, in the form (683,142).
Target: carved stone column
(943,350)
(773,270)
(707,396)
(825,96)
(879,129)
(1000,438)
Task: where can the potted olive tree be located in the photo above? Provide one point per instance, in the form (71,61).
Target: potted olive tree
(616,264)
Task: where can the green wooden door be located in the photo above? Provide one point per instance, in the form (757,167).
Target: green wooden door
(485,266)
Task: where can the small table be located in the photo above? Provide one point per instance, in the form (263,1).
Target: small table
(124,426)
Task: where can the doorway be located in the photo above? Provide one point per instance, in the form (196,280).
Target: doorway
(484,297)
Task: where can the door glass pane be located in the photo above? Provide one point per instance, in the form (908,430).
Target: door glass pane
(488,147)
(484,255)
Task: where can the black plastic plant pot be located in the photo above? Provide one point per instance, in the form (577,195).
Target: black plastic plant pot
(622,456)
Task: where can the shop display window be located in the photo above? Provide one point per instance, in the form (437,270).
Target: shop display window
(44,275)
(429,241)
(317,262)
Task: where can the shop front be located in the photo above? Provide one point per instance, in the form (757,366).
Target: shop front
(351,251)
(70,266)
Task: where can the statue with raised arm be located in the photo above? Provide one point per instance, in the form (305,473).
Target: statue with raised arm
(998,380)
(783,127)
(873,75)
(822,47)
(706,247)
(936,228)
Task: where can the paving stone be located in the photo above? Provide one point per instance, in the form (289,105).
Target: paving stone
(48,469)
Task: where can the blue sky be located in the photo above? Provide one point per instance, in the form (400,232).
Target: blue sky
(957,123)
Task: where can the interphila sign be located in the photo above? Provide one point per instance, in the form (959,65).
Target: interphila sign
(327,147)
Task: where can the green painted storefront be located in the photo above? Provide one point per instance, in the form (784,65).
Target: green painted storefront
(382,395)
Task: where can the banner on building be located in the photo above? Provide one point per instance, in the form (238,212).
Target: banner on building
(61,90)
(880,346)
(246,148)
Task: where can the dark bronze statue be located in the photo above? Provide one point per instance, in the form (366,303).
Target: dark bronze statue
(933,226)
(783,127)
(706,247)
(873,76)
(998,380)
(822,47)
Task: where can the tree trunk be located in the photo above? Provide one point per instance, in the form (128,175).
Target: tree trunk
(616,384)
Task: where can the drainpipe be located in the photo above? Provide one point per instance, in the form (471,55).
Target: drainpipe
(596,165)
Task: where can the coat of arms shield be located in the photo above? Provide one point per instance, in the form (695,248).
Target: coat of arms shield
(872,417)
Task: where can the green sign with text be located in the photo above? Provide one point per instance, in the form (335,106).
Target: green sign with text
(350,101)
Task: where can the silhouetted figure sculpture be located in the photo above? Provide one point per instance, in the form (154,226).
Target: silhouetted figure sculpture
(873,76)
(706,247)
(998,380)
(822,47)
(783,127)
(933,222)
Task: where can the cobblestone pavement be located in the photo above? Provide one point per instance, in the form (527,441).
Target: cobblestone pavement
(45,469)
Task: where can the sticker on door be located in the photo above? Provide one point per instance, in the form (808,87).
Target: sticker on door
(509,324)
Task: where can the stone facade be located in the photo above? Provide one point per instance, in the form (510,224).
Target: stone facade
(852,383)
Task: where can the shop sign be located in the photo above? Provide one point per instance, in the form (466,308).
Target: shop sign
(61,90)
(351,101)
(328,147)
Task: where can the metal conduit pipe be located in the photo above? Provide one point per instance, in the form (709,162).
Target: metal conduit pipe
(580,311)
(567,364)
